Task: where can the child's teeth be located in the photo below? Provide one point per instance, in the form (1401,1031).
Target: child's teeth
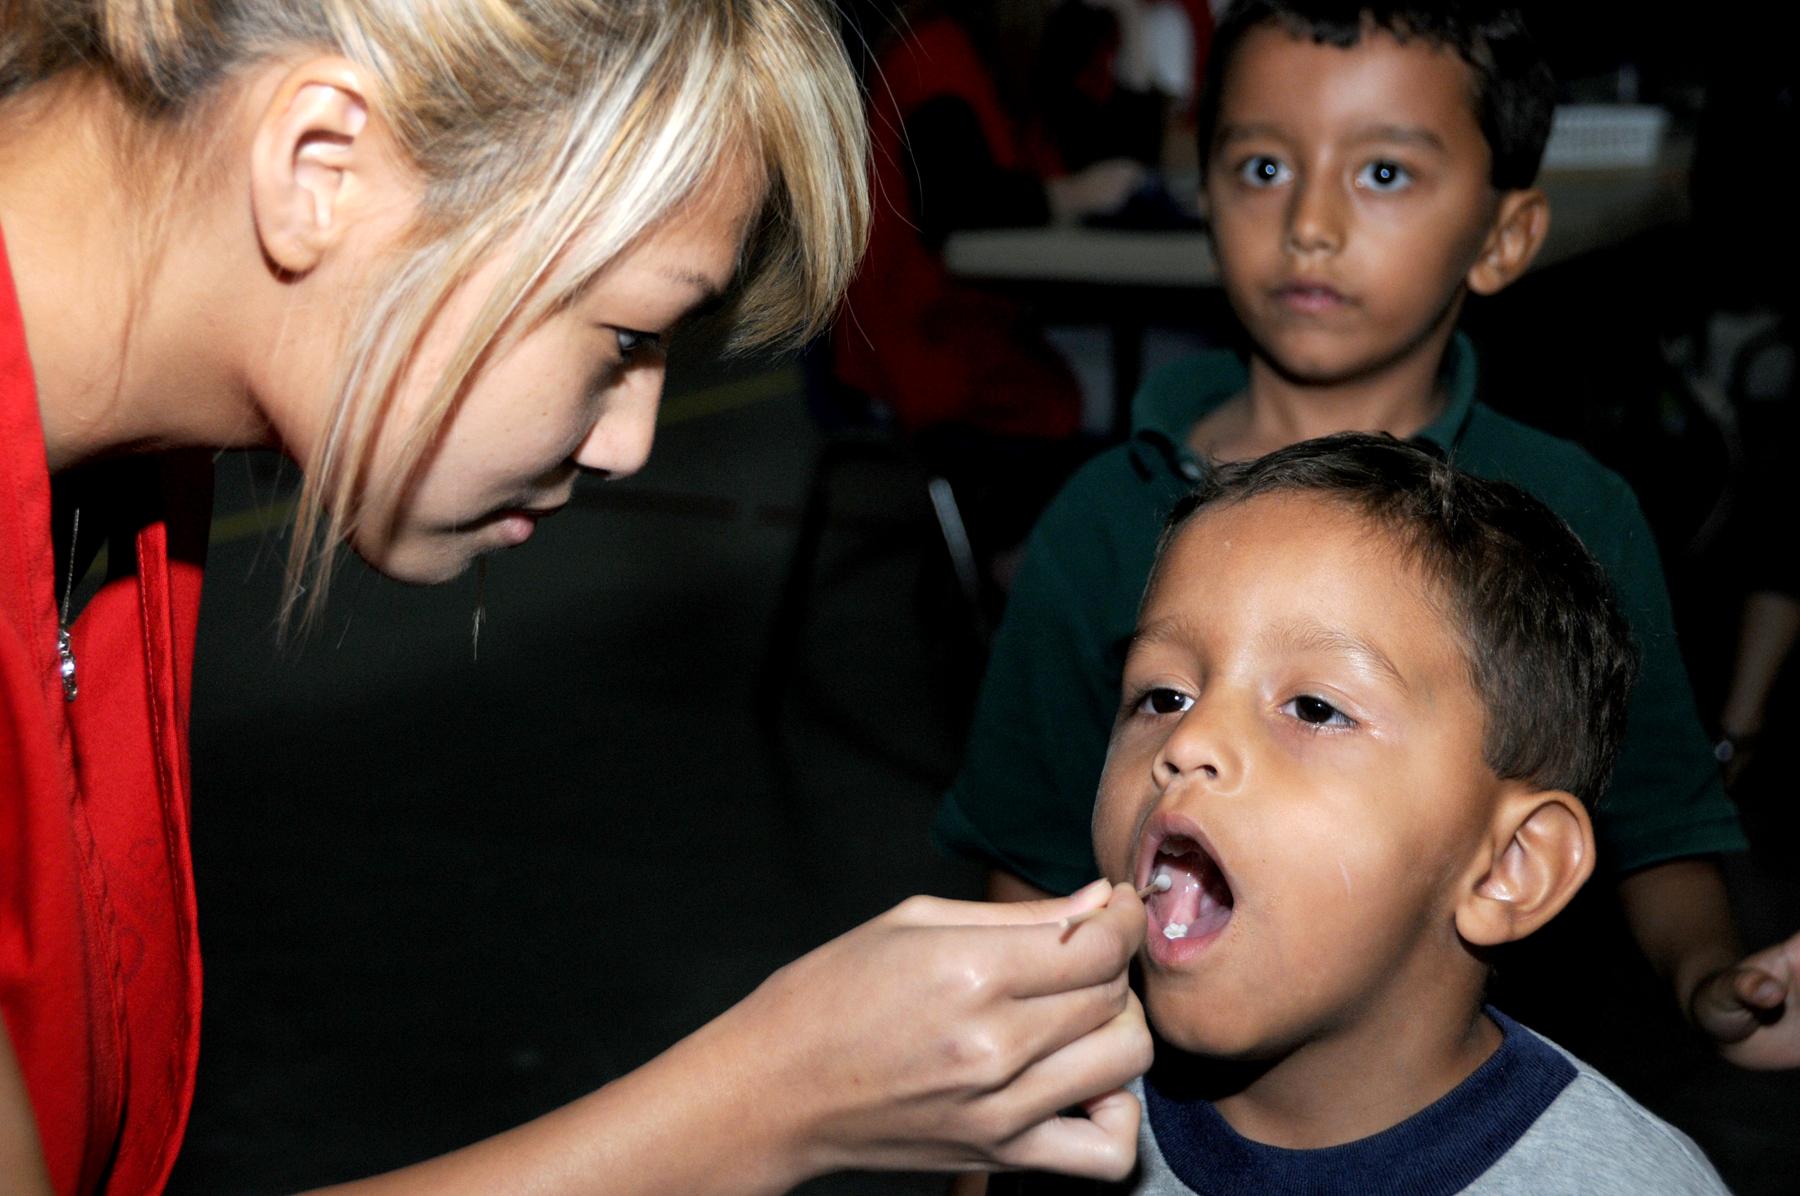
(1175,930)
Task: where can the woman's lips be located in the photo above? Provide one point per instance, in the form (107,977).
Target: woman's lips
(516,525)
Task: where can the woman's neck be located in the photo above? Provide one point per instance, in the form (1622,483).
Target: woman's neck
(134,336)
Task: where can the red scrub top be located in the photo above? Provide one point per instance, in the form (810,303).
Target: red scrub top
(99,960)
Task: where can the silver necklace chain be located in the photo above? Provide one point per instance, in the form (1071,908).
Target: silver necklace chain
(65,651)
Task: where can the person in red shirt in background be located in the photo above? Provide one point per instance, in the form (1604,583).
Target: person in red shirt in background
(948,155)
(965,372)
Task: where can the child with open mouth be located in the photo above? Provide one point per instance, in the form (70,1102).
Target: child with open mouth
(1367,709)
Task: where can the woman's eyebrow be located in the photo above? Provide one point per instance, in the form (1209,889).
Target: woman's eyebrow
(708,289)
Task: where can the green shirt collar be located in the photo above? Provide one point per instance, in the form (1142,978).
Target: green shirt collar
(1169,405)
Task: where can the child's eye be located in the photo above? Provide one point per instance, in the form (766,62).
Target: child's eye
(1162,700)
(632,342)
(1382,175)
(1260,170)
(1317,712)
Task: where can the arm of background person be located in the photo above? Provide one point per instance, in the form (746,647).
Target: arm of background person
(1748,1006)
(941,1036)
(1771,624)
(21,1156)
(955,182)
(1666,817)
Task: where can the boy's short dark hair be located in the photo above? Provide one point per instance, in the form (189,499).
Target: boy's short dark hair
(1515,94)
(1549,652)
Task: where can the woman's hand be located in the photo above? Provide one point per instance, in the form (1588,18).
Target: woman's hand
(950,1036)
(943,1035)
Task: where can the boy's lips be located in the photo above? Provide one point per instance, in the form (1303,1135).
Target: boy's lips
(1198,905)
(1311,298)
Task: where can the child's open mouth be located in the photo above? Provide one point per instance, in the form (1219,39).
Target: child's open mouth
(1197,903)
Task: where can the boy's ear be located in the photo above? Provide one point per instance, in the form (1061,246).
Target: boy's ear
(1520,226)
(314,162)
(1539,851)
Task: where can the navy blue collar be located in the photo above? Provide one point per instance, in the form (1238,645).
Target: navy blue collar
(1440,1149)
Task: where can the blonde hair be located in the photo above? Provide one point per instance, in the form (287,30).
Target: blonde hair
(561,129)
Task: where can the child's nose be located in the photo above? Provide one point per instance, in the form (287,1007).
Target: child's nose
(1200,748)
(619,442)
(1315,218)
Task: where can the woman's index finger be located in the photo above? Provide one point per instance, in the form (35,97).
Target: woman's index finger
(1045,958)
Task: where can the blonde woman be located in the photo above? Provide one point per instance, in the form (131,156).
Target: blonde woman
(428,248)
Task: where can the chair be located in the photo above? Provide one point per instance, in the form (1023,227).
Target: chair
(857,432)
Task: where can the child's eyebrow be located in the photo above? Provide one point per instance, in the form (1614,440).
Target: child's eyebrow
(1248,132)
(1162,631)
(1309,635)
(1415,135)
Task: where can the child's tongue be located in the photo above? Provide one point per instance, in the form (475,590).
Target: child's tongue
(1198,900)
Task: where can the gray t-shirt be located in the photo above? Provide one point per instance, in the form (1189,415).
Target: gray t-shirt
(1531,1121)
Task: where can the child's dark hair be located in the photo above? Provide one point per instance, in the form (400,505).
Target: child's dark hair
(1549,651)
(1514,94)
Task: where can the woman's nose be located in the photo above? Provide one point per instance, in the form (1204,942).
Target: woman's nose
(619,442)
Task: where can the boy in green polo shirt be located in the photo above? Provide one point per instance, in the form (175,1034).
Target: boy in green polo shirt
(1366,167)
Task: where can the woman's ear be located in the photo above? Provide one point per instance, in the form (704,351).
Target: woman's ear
(1520,226)
(314,161)
(1540,850)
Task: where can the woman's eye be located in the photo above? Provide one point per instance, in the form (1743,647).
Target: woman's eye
(632,342)
(1317,712)
(1260,170)
(1162,700)
(1381,175)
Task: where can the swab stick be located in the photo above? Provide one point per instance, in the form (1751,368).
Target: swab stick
(1160,885)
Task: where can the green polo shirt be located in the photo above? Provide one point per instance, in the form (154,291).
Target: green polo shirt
(1023,799)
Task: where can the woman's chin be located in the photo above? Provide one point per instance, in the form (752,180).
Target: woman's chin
(421,560)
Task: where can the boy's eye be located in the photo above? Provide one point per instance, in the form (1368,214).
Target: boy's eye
(1260,170)
(1381,175)
(1163,700)
(632,342)
(1317,712)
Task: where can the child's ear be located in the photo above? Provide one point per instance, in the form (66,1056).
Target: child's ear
(314,162)
(1539,851)
(1520,225)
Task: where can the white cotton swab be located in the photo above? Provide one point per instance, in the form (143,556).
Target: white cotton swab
(1161,884)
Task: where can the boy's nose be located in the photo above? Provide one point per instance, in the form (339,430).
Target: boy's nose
(1315,219)
(1199,748)
(619,442)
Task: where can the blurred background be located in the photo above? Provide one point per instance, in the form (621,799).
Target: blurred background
(447,885)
